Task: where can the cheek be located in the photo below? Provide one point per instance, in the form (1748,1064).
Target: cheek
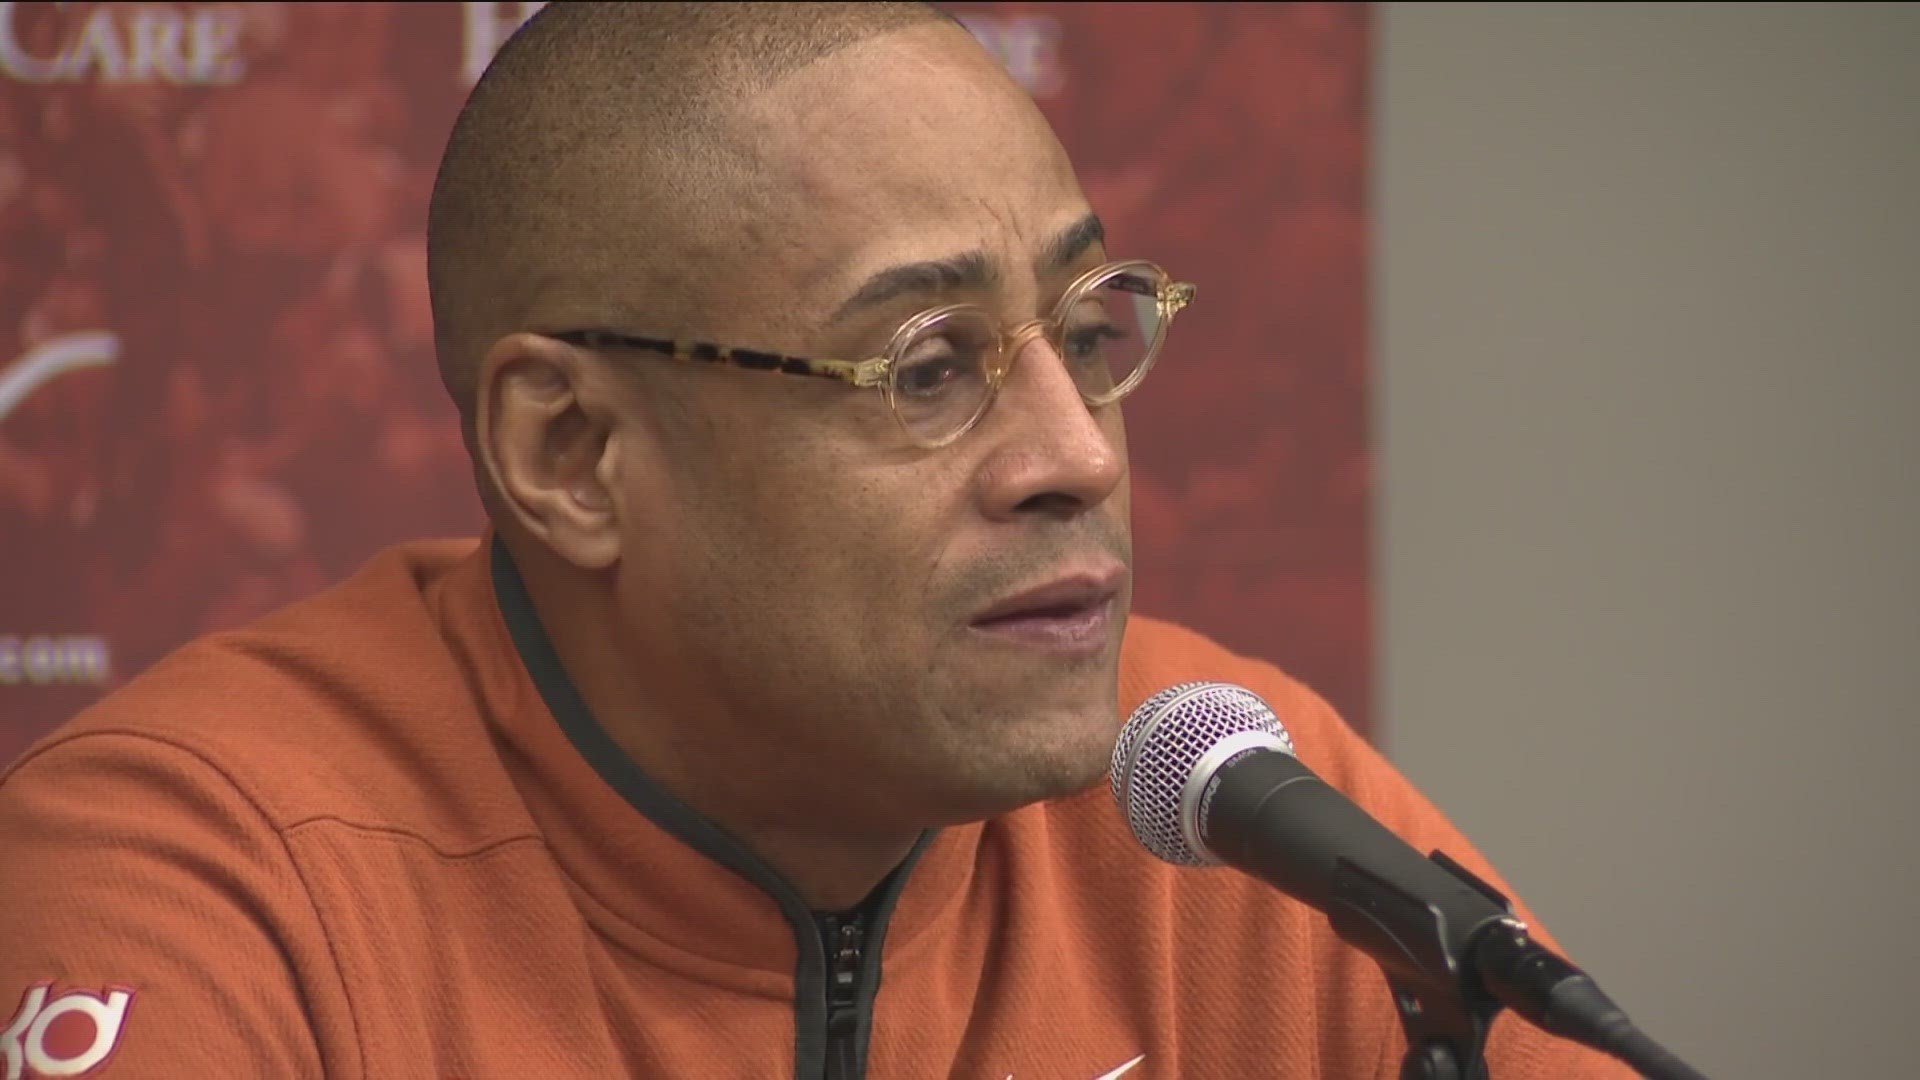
(812,506)
(862,556)
(859,541)
(813,534)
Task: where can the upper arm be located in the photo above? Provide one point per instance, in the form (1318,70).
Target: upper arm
(148,905)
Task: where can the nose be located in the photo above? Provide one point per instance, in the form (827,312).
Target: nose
(1049,453)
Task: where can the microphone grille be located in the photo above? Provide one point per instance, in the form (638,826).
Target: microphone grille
(1162,745)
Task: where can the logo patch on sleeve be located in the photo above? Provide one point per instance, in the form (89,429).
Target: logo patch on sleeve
(65,1035)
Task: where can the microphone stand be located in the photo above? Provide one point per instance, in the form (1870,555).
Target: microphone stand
(1445,1013)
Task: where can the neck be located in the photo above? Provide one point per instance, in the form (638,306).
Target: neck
(694,750)
(831,873)
(705,765)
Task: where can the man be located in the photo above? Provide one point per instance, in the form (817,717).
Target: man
(763,734)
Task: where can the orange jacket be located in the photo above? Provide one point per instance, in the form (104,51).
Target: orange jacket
(377,836)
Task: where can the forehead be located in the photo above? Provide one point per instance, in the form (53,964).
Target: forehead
(911,145)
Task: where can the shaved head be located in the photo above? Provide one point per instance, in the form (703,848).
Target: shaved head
(582,177)
(744,563)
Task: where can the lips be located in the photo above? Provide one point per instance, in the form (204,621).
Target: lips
(1062,596)
(1072,613)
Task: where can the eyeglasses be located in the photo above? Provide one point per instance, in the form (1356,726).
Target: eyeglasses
(943,367)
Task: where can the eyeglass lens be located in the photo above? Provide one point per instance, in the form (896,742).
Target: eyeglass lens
(942,374)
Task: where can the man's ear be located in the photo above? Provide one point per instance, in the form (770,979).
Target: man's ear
(544,426)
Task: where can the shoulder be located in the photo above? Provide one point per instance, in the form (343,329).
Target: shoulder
(313,711)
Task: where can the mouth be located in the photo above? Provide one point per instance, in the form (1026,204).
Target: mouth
(1070,615)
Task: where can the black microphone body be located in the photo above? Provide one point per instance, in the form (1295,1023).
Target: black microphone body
(1205,773)
(1266,813)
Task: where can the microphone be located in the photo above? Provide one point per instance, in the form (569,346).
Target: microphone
(1205,775)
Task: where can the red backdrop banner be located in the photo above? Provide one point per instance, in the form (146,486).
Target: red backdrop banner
(217,389)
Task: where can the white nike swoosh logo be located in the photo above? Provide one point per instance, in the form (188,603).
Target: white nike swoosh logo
(1115,1074)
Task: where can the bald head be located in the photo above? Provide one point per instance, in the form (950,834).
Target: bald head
(739,561)
(583,174)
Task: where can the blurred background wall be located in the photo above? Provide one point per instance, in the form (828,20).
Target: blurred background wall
(1648,348)
(217,389)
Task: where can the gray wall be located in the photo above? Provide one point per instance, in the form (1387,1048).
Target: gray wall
(1648,319)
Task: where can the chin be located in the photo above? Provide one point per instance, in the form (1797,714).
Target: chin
(1050,757)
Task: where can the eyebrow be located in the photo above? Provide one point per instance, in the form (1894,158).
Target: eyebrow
(969,270)
(1070,243)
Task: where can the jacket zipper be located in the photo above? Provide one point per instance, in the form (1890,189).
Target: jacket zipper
(843,941)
